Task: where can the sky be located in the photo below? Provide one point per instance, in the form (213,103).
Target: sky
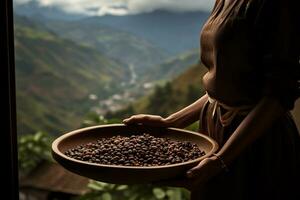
(124,7)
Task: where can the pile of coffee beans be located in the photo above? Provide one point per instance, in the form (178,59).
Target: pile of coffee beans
(136,150)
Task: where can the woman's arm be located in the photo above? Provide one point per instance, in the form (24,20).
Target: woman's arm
(189,114)
(255,124)
(180,119)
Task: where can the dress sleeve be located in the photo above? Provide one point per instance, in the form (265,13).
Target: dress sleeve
(279,49)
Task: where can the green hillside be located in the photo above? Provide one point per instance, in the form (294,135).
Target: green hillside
(55,76)
(114,43)
(172,67)
(176,94)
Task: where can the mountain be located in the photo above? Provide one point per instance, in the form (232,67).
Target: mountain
(175,32)
(55,77)
(174,66)
(119,45)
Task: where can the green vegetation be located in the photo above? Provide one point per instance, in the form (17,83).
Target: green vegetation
(32,150)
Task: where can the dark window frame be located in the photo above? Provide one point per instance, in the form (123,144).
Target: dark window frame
(9,161)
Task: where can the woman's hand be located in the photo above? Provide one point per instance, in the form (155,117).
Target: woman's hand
(180,119)
(149,120)
(196,176)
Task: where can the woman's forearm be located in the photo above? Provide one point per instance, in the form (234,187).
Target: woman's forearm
(187,115)
(256,124)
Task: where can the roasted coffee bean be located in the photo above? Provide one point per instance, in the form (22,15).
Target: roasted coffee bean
(136,150)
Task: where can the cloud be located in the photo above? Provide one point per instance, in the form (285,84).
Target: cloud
(124,7)
(21,1)
(173,5)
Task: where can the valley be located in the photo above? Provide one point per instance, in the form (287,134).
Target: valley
(66,69)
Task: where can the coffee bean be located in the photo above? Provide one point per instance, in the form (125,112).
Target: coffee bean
(136,150)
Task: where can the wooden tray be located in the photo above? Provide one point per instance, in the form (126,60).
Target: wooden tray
(127,174)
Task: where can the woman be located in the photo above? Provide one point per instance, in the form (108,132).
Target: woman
(251,49)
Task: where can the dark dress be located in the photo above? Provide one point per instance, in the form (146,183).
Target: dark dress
(251,49)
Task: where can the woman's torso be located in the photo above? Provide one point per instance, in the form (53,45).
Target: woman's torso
(229,49)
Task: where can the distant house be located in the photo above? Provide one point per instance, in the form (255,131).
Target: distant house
(50,181)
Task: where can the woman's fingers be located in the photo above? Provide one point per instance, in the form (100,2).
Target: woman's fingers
(150,120)
(141,118)
(134,119)
(196,176)
(205,170)
(196,171)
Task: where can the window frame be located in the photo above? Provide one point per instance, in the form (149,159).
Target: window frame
(9,159)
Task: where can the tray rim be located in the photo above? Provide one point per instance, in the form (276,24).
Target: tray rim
(57,153)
